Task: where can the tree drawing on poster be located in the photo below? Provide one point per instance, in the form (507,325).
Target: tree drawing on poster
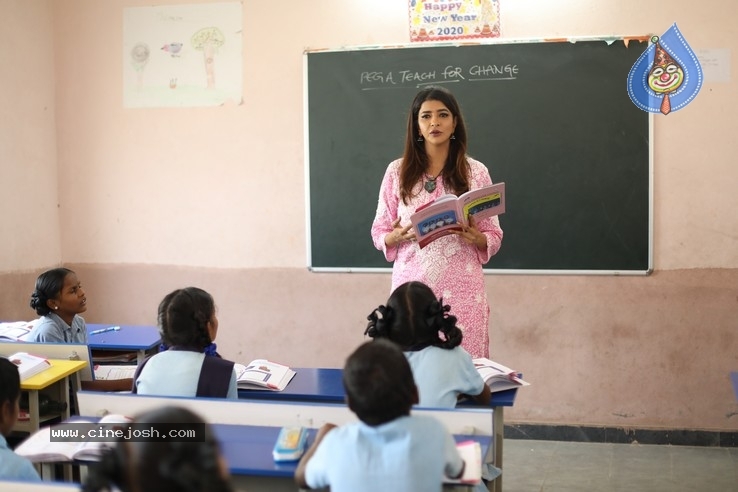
(170,54)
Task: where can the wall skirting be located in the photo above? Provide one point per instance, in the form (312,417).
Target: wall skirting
(619,435)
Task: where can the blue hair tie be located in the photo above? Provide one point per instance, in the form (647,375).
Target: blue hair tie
(211,350)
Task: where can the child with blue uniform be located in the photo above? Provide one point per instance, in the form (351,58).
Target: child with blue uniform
(12,466)
(189,365)
(59,299)
(425,331)
(388,449)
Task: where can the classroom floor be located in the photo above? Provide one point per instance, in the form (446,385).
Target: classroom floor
(555,466)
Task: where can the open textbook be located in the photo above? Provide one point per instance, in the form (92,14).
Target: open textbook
(17,331)
(471,453)
(68,443)
(29,365)
(446,214)
(263,374)
(497,376)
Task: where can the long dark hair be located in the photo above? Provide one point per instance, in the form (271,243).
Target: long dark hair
(414,319)
(415,160)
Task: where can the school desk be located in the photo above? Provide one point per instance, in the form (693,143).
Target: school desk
(139,339)
(467,420)
(248,451)
(476,421)
(54,381)
(325,385)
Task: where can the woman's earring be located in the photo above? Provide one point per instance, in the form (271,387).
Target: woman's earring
(453,136)
(420,138)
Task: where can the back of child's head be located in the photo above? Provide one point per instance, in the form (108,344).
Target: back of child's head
(163,465)
(414,318)
(184,316)
(48,286)
(379,383)
(9,381)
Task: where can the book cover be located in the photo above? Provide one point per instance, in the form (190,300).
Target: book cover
(29,365)
(263,374)
(497,376)
(446,214)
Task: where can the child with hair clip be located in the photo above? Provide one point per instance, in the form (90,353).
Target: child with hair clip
(190,364)
(12,466)
(388,448)
(165,465)
(59,299)
(425,331)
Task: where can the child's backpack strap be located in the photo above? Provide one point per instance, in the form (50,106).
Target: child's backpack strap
(215,377)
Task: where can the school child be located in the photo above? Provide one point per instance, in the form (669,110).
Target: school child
(190,365)
(428,335)
(59,299)
(388,449)
(163,465)
(12,466)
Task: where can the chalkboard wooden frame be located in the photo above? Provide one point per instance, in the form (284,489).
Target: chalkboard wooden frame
(552,119)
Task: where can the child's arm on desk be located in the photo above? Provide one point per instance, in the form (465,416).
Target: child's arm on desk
(300,471)
(483,398)
(108,385)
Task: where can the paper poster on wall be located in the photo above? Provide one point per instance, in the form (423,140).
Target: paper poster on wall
(438,20)
(182,55)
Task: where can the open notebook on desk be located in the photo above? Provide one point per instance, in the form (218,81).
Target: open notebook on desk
(105,372)
(263,374)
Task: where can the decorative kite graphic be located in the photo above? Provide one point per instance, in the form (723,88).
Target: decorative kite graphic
(667,76)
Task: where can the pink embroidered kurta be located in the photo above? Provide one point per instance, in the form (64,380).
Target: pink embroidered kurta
(449,266)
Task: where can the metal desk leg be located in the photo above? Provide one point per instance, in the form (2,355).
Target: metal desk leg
(498,427)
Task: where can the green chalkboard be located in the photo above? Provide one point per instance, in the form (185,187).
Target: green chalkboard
(551,119)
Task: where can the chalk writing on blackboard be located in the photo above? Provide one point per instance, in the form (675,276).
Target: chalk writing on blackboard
(370,80)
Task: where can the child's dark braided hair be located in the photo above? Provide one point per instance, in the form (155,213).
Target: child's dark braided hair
(414,318)
(183,318)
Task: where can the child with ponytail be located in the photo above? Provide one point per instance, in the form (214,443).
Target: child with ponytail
(425,331)
(189,365)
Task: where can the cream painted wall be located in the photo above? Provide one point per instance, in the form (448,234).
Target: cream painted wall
(154,199)
(29,221)
(191,186)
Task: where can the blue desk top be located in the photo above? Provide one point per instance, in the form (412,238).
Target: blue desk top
(248,449)
(325,385)
(129,337)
